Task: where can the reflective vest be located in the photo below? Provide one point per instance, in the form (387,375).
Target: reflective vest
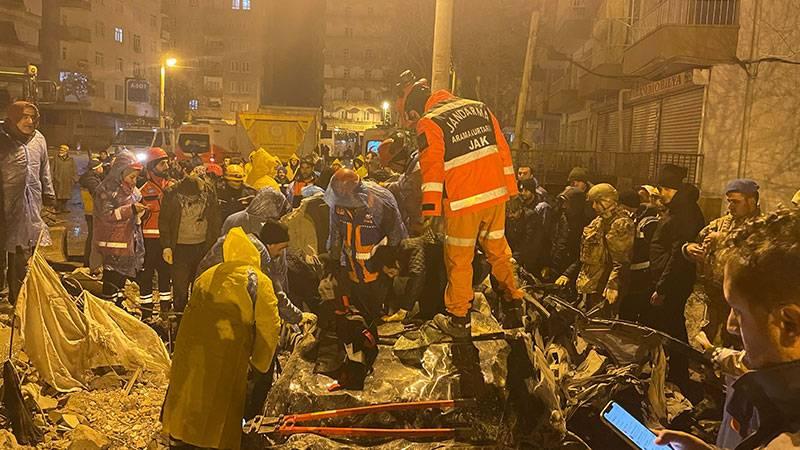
(464,157)
(152,192)
(361,239)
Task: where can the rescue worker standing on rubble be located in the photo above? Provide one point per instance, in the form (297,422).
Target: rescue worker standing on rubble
(157,180)
(230,325)
(527,228)
(234,196)
(467,177)
(26,186)
(742,197)
(640,286)
(365,229)
(65,174)
(605,251)
(118,214)
(188,225)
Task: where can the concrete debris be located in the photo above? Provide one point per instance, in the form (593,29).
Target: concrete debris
(86,438)
(8,441)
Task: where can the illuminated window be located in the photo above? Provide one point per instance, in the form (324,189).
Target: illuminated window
(246,4)
(118,34)
(194,104)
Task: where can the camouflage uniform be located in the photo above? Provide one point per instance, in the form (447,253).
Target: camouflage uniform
(711,272)
(606,248)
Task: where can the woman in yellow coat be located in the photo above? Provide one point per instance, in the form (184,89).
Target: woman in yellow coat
(263,170)
(360,166)
(230,324)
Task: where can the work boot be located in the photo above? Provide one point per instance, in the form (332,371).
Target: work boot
(512,314)
(456,327)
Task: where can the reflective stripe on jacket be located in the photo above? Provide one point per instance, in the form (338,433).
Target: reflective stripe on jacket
(152,193)
(464,157)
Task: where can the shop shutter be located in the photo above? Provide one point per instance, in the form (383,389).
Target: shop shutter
(681,119)
(608,130)
(644,127)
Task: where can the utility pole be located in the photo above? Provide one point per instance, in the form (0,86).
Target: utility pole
(522,101)
(442,45)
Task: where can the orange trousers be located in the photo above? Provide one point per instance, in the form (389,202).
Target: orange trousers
(487,228)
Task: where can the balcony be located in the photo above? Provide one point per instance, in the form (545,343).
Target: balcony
(603,56)
(677,35)
(573,26)
(564,95)
(79,4)
(75,33)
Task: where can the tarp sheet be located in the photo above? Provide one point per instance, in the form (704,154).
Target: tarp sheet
(65,343)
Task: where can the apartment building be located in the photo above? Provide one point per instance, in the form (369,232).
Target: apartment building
(356,63)
(20,23)
(623,87)
(92,48)
(220,49)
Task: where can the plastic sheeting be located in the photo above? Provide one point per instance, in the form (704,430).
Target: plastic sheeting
(515,392)
(64,343)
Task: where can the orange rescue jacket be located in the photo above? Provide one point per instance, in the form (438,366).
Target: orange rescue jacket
(152,192)
(464,157)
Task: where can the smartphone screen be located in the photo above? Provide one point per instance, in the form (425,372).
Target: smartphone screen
(630,427)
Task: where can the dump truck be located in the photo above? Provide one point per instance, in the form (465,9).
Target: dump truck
(213,140)
(283,130)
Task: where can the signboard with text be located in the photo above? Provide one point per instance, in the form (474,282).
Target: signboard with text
(138,90)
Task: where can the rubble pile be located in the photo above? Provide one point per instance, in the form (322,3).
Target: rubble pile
(120,410)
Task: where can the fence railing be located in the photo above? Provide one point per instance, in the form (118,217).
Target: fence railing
(686,12)
(553,166)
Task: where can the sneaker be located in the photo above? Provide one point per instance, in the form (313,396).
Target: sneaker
(455,327)
(512,314)
(399,316)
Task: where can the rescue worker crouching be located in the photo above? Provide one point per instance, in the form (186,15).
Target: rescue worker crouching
(157,180)
(605,250)
(467,177)
(365,224)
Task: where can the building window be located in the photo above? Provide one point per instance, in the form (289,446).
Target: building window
(194,104)
(348,32)
(64,53)
(234,106)
(246,67)
(120,65)
(98,59)
(118,34)
(119,92)
(192,2)
(367,74)
(346,53)
(98,89)
(245,87)
(137,43)
(347,72)
(232,87)
(99,29)
(246,5)
(368,54)
(137,70)
(153,21)
(236,4)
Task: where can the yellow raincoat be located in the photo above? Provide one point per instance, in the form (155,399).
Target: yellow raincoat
(231,322)
(263,170)
(293,167)
(361,171)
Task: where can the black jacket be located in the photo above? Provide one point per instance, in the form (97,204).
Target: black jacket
(527,236)
(169,218)
(90,180)
(571,219)
(233,200)
(673,274)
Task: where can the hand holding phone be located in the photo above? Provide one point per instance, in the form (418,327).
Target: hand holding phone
(629,428)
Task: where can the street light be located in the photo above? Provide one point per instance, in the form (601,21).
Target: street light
(385,106)
(167,62)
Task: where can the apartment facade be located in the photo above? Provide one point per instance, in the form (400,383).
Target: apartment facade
(92,48)
(220,49)
(623,87)
(356,63)
(20,24)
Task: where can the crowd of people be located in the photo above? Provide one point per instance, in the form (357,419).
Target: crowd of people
(410,233)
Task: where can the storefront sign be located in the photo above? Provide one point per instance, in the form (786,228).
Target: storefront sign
(662,86)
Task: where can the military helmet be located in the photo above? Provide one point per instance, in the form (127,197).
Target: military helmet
(602,191)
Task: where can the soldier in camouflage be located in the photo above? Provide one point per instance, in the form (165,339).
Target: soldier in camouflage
(706,251)
(606,248)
